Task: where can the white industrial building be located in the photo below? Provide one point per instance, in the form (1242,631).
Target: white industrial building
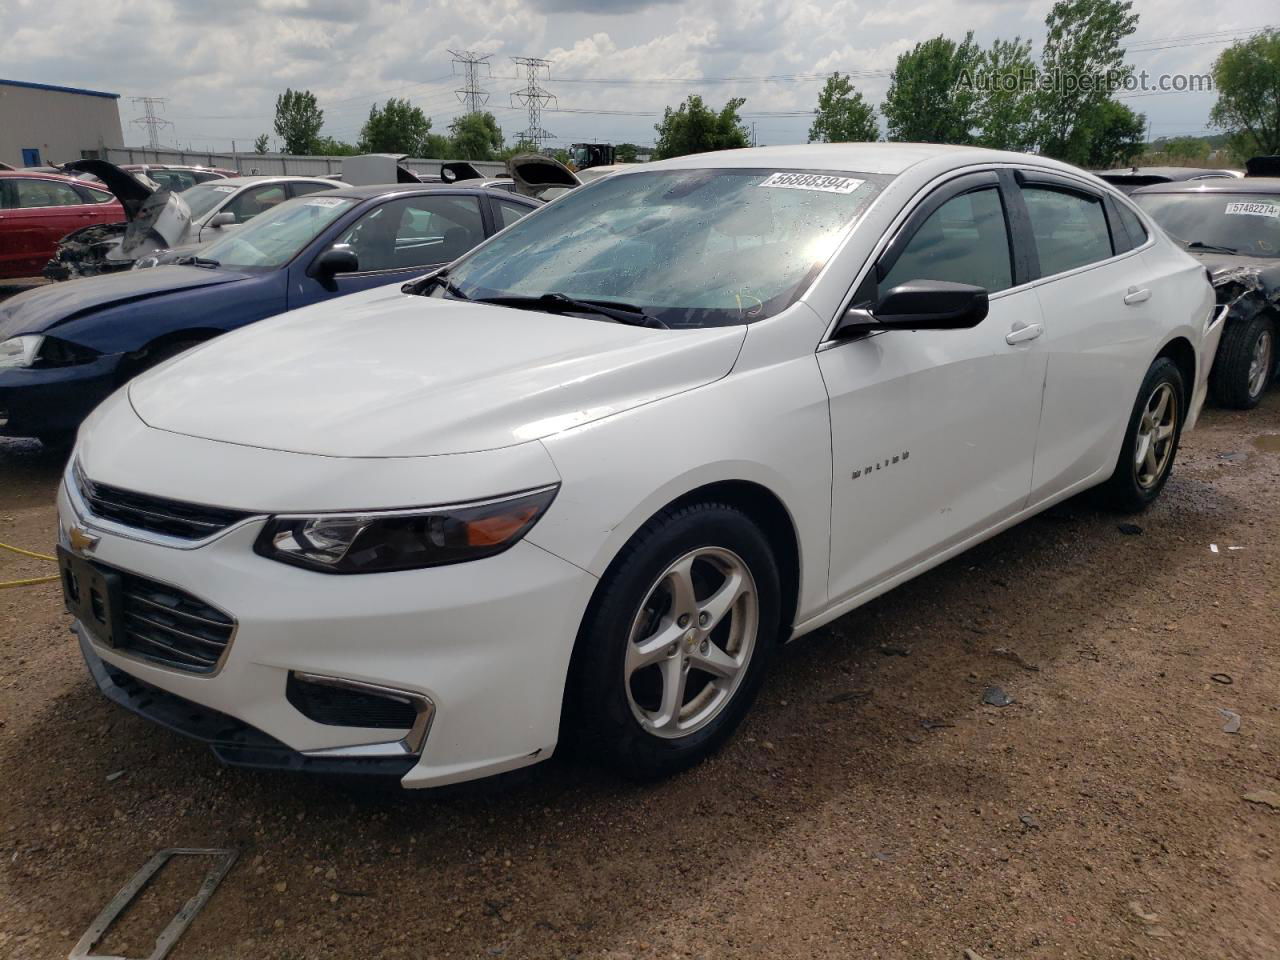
(42,124)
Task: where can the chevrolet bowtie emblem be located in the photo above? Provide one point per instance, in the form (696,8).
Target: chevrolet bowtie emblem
(81,540)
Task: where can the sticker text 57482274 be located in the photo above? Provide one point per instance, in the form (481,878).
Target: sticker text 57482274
(1252,208)
(827,183)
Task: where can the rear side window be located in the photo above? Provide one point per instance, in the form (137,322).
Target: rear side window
(94,196)
(1132,225)
(45,193)
(964,241)
(1070,228)
(509,213)
(249,203)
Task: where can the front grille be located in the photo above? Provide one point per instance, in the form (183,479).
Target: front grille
(170,626)
(173,518)
(341,706)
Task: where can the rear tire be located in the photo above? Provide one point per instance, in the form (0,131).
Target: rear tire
(697,587)
(1150,441)
(1245,364)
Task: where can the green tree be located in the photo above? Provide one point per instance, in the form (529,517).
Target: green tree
(298,121)
(1005,112)
(697,128)
(1247,76)
(261,145)
(438,147)
(1083,64)
(398,127)
(329,147)
(1183,151)
(516,149)
(928,100)
(843,116)
(476,136)
(626,153)
(1114,136)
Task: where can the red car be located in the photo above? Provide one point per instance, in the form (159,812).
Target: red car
(39,209)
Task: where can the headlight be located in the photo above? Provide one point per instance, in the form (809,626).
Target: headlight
(20,351)
(376,542)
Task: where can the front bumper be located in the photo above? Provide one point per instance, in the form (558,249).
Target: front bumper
(1208,350)
(487,642)
(42,401)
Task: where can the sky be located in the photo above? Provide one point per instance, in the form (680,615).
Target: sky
(615,63)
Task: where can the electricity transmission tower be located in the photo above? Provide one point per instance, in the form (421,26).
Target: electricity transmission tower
(533,98)
(150,119)
(471,93)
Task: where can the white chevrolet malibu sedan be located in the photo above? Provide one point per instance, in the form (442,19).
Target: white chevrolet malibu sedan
(585,481)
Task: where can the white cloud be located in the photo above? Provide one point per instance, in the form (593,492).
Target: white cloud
(222,67)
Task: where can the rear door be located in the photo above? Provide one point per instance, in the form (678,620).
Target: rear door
(1095,290)
(396,240)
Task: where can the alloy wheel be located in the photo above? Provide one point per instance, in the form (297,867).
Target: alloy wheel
(691,642)
(1153,446)
(1260,364)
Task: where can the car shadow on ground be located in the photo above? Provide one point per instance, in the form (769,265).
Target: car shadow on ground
(847,717)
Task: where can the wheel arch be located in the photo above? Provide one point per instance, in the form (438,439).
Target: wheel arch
(135,361)
(1183,354)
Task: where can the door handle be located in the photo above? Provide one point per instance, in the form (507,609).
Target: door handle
(1134,295)
(1023,332)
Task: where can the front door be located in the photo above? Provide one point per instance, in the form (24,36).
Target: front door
(933,433)
(396,241)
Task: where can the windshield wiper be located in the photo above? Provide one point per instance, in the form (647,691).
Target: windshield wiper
(1211,247)
(625,313)
(205,262)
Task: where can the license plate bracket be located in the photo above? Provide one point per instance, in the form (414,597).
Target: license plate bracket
(92,595)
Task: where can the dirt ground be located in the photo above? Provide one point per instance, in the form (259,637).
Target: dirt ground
(871,806)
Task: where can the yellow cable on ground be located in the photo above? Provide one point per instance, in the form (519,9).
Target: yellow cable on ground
(4,585)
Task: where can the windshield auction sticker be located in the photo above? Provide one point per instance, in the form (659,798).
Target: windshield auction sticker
(812,181)
(225,189)
(1252,208)
(322,202)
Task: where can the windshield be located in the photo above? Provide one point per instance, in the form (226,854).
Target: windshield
(274,238)
(203,198)
(693,248)
(1247,223)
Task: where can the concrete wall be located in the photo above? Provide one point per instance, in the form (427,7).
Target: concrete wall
(273,164)
(62,125)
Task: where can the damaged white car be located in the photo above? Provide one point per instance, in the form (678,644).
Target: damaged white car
(157,219)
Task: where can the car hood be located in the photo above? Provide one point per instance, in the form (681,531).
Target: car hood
(128,189)
(43,308)
(390,375)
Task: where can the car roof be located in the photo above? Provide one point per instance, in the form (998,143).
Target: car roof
(1223,185)
(382,189)
(884,158)
(11,174)
(1173,173)
(267,178)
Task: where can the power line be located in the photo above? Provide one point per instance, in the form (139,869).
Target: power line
(533,98)
(470,93)
(150,119)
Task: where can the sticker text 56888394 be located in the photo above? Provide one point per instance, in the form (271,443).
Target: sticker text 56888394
(826,183)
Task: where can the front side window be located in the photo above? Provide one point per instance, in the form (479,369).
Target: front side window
(1070,228)
(277,236)
(509,213)
(302,189)
(204,197)
(693,248)
(45,193)
(415,231)
(1218,222)
(965,240)
(255,200)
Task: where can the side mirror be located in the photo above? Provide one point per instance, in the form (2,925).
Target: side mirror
(224,219)
(333,261)
(919,305)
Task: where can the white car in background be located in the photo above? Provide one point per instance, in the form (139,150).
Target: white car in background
(159,219)
(585,480)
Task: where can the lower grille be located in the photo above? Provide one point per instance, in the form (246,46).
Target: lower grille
(344,706)
(168,625)
(173,518)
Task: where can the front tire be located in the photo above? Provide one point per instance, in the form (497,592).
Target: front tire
(1245,363)
(1150,441)
(677,641)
